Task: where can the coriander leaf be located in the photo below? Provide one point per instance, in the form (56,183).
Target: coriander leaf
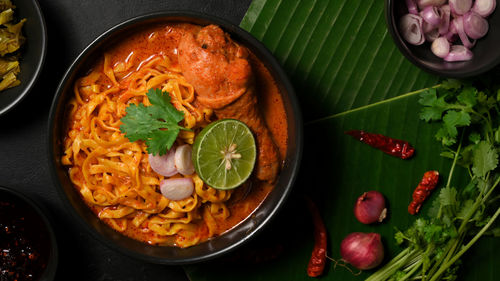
(447,154)
(163,108)
(433,106)
(474,138)
(451,120)
(434,209)
(484,159)
(157,124)
(432,233)
(448,196)
(468,96)
(466,209)
(443,136)
(451,84)
(161,140)
(400,237)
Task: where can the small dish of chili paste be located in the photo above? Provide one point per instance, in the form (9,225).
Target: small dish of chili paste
(28,249)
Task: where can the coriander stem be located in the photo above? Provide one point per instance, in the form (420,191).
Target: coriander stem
(416,266)
(476,205)
(391,267)
(449,245)
(455,159)
(466,247)
(495,184)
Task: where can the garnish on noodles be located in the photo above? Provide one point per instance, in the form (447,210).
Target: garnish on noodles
(157,124)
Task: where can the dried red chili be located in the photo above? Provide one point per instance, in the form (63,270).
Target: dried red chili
(423,190)
(394,147)
(318,256)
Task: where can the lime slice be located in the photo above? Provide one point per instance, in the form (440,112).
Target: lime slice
(224,154)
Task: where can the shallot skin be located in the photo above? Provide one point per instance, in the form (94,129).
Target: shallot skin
(370,207)
(362,250)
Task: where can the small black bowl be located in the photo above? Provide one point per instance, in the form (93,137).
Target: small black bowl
(214,247)
(22,220)
(32,53)
(486,53)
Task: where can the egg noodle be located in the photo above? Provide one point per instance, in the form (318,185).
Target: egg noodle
(113,174)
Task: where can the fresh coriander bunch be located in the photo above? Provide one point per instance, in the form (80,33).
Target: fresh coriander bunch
(469,118)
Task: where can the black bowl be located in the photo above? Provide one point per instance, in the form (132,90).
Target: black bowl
(216,246)
(33,224)
(32,53)
(486,54)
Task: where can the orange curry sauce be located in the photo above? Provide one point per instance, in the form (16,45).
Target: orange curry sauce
(163,40)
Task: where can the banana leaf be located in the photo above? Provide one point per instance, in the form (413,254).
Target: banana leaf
(348,74)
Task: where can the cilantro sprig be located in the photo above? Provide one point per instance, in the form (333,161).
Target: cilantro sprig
(157,124)
(469,130)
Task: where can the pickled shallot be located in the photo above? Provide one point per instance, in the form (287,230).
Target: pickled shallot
(430,20)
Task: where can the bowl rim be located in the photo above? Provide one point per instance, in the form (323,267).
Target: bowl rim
(39,67)
(278,73)
(51,269)
(403,48)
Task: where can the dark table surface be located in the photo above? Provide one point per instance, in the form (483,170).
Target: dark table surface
(72,25)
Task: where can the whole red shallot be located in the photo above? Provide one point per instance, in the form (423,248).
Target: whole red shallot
(362,250)
(370,207)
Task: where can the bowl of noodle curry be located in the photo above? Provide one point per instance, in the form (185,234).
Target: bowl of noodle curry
(103,160)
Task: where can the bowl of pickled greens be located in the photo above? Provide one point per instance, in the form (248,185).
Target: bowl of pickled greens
(23,44)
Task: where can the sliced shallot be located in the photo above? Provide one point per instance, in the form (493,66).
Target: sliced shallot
(475,26)
(460,7)
(431,33)
(459,25)
(440,47)
(412,7)
(452,33)
(411,29)
(425,3)
(484,7)
(458,53)
(183,161)
(431,15)
(163,165)
(177,189)
(444,25)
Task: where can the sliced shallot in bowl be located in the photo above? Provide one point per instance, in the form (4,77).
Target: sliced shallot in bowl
(459,53)
(440,47)
(426,3)
(431,15)
(484,7)
(412,7)
(475,26)
(459,25)
(411,28)
(460,7)
(444,25)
